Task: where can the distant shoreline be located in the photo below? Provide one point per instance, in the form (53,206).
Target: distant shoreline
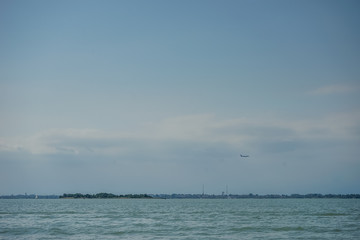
(102,196)
(182,196)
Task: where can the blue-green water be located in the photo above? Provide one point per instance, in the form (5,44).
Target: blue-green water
(180,219)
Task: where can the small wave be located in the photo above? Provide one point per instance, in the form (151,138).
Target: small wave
(244,229)
(42,213)
(117,233)
(4,231)
(259,229)
(288,229)
(330,214)
(59,231)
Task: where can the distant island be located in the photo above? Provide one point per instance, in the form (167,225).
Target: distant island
(178,196)
(103,195)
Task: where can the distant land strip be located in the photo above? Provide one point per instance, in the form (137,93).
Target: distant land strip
(103,195)
(177,196)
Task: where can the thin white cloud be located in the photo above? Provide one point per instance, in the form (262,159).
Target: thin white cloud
(333,89)
(202,131)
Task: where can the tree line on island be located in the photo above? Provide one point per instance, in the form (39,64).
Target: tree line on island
(103,195)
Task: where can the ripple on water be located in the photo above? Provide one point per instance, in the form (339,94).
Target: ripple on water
(179,219)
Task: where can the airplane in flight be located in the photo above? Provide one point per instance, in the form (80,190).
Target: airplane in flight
(244,155)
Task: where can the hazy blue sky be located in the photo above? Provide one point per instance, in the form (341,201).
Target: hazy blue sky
(164,96)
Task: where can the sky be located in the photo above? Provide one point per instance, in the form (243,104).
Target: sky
(163,96)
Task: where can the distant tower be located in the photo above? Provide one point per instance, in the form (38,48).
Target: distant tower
(203,192)
(227,192)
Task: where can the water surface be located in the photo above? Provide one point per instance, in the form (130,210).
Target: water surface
(180,219)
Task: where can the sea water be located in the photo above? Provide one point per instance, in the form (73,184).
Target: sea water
(180,219)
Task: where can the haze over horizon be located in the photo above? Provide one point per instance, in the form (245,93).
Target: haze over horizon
(163,96)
